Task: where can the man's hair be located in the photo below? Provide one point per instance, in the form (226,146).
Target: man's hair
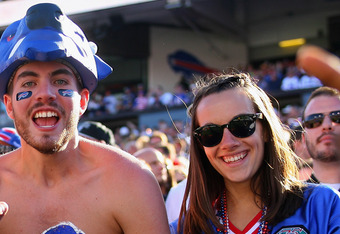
(277,174)
(322,91)
(97,131)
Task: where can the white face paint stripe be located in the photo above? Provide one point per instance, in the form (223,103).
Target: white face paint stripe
(15,47)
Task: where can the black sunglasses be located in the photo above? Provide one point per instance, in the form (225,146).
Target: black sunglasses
(240,126)
(315,120)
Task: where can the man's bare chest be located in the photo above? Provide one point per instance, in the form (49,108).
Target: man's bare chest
(34,210)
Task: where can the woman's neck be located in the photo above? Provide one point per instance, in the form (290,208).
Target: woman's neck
(242,204)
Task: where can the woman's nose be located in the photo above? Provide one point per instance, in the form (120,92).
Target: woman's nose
(229,140)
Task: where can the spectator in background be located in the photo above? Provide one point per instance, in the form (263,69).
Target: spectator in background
(307,82)
(9,140)
(321,120)
(160,167)
(158,138)
(96,131)
(291,114)
(271,80)
(153,99)
(291,81)
(110,102)
(181,95)
(162,125)
(181,147)
(141,101)
(306,165)
(95,106)
(131,146)
(128,98)
(164,97)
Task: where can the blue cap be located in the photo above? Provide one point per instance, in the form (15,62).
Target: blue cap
(47,34)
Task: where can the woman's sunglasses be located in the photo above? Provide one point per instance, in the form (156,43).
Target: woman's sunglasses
(315,120)
(240,126)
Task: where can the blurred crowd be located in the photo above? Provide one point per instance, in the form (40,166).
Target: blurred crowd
(282,75)
(138,99)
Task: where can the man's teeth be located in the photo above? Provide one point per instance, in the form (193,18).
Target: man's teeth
(234,158)
(45,114)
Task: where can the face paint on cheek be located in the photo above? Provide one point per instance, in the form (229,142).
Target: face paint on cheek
(66,92)
(24,95)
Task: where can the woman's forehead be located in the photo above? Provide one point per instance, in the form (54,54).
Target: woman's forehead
(222,105)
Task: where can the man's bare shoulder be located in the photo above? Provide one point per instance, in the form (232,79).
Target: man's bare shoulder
(7,161)
(131,189)
(113,160)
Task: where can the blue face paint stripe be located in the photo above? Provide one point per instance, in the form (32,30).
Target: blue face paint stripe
(66,92)
(24,95)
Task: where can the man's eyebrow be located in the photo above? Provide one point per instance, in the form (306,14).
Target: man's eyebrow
(63,71)
(27,73)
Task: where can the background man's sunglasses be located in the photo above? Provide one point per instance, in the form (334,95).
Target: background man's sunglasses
(240,126)
(315,120)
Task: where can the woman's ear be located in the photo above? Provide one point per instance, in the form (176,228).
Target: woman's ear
(84,99)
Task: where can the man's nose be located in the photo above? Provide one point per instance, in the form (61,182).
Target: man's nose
(45,92)
(327,123)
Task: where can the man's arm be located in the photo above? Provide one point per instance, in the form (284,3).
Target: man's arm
(321,64)
(144,207)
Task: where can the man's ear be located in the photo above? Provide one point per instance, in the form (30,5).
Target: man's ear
(8,104)
(84,99)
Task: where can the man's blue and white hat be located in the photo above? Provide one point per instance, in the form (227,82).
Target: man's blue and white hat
(47,34)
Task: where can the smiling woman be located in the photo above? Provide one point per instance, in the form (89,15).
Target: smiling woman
(243,175)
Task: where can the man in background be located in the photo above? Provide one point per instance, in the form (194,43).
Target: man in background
(321,120)
(96,131)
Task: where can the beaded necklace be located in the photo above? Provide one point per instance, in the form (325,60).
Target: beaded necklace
(263,229)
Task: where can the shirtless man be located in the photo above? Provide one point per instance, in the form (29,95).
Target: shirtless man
(58,181)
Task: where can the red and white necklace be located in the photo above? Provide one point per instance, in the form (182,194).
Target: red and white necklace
(262,229)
